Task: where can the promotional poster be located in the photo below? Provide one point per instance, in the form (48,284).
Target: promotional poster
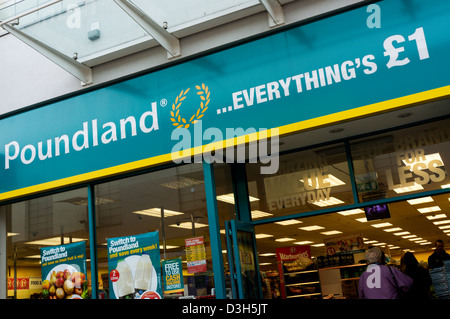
(134,267)
(64,272)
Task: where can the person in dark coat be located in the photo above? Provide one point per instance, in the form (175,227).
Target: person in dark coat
(437,258)
(421,277)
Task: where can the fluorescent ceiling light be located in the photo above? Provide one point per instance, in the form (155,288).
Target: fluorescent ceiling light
(351,212)
(188,225)
(380,225)
(415,187)
(259,236)
(282,240)
(361,220)
(421,241)
(168,247)
(229,198)
(12,234)
(330,181)
(427,243)
(445,186)
(370,241)
(182,182)
(54,241)
(305,242)
(392,229)
(259,214)
(289,222)
(409,236)
(438,216)
(429,209)
(441,222)
(415,239)
(380,244)
(394,247)
(444,227)
(267,254)
(156,212)
(331,232)
(329,202)
(311,228)
(422,200)
(402,233)
(318,245)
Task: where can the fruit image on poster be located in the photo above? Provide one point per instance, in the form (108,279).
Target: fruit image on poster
(134,267)
(64,272)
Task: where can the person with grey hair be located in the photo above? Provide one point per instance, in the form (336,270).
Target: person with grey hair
(380,281)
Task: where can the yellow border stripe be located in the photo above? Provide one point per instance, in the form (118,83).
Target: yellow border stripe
(360,112)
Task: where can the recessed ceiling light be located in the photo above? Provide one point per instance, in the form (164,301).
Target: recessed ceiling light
(351,212)
(259,236)
(289,222)
(188,225)
(281,240)
(331,232)
(328,202)
(415,187)
(429,209)
(229,198)
(441,222)
(311,228)
(421,200)
(379,244)
(259,214)
(438,216)
(392,229)
(402,233)
(305,242)
(380,225)
(156,212)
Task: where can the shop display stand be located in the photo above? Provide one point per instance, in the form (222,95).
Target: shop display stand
(302,283)
(440,278)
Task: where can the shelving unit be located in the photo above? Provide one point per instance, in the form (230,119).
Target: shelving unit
(302,284)
(341,281)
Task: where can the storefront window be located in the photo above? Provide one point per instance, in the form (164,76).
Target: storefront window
(305,181)
(402,162)
(324,254)
(37,224)
(170,203)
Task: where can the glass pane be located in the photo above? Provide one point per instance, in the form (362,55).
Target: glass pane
(402,162)
(308,180)
(132,206)
(179,12)
(43,222)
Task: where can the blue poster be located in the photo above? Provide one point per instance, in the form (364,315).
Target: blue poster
(64,271)
(134,267)
(173,275)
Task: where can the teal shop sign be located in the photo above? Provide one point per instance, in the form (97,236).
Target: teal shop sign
(321,73)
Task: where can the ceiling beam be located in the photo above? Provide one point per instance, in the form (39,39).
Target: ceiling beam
(275,12)
(167,40)
(80,71)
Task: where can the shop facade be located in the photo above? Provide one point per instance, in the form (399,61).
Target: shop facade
(220,151)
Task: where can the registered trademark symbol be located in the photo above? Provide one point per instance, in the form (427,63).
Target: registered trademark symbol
(163,102)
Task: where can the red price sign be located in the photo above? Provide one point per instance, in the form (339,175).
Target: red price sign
(114,275)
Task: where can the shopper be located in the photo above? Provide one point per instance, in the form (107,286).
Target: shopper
(421,277)
(437,258)
(380,281)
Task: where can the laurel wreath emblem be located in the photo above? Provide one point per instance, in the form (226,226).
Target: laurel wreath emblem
(175,115)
